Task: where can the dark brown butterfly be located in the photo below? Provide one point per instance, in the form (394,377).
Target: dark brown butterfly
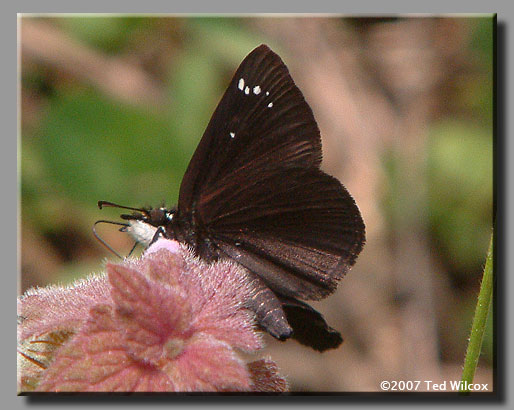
(253,192)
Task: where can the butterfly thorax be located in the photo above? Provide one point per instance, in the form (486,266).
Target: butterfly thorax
(190,230)
(151,223)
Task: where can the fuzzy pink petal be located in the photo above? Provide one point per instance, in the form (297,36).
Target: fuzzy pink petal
(207,364)
(215,294)
(149,312)
(236,330)
(96,360)
(171,246)
(161,265)
(170,322)
(57,308)
(220,290)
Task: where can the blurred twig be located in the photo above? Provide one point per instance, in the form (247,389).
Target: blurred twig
(479,322)
(47,44)
(409,62)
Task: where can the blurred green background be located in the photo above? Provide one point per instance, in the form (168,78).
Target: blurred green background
(113,107)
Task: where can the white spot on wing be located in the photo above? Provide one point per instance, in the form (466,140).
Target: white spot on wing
(270,105)
(232,134)
(241,84)
(256,90)
(267,92)
(247,90)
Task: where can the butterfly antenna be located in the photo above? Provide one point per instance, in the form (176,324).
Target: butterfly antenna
(101,204)
(105,243)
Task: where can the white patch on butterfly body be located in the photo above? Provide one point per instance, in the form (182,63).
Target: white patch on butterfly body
(142,232)
(241,84)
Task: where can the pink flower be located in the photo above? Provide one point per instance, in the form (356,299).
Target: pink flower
(165,322)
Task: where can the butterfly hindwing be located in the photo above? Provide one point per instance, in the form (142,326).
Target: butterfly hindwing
(299,233)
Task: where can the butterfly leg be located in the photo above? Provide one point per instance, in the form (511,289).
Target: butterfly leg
(159,233)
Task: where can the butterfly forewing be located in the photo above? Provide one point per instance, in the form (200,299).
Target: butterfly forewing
(262,121)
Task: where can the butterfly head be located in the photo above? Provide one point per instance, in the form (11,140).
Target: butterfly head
(145,224)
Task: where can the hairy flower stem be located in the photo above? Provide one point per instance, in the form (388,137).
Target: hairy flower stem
(479,322)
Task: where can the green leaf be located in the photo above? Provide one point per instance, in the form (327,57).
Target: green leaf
(479,321)
(94,148)
(460,190)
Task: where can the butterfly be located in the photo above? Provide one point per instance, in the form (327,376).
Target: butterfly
(254,193)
